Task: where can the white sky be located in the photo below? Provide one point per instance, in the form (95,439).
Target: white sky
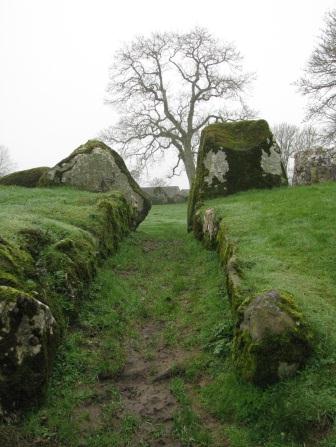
(55,54)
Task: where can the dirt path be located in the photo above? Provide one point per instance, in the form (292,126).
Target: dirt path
(132,372)
(144,387)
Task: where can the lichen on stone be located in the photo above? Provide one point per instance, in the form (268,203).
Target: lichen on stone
(216,165)
(270,161)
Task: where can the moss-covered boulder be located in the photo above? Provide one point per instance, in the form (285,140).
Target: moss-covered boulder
(272,340)
(233,157)
(96,167)
(314,166)
(28,336)
(29,178)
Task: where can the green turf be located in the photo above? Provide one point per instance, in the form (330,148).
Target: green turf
(286,239)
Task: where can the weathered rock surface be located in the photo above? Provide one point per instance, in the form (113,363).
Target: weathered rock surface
(234,157)
(28,337)
(96,167)
(272,340)
(206,227)
(314,166)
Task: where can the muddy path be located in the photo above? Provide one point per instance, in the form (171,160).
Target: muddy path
(132,373)
(144,387)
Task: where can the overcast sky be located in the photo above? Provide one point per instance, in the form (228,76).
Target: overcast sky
(55,56)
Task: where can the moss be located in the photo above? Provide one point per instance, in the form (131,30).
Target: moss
(21,383)
(243,143)
(55,261)
(34,240)
(239,135)
(8,279)
(274,356)
(198,225)
(117,222)
(29,178)
(15,264)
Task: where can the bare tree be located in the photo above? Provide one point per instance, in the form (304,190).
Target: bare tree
(6,163)
(319,83)
(285,135)
(292,139)
(167,88)
(158,181)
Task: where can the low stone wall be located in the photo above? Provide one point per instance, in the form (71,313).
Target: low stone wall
(45,271)
(271,340)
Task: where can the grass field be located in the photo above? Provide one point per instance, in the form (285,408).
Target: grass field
(286,239)
(162,299)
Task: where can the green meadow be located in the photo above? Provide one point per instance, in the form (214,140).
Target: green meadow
(163,292)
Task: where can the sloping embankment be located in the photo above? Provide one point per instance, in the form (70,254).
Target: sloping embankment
(51,241)
(267,242)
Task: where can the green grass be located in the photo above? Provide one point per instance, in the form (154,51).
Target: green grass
(160,274)
(54,209)
(51,244)
(60,232)
(286,239)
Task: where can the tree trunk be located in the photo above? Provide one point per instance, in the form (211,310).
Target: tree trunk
(189,164)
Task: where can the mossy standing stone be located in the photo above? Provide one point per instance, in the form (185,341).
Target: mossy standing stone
(234,157)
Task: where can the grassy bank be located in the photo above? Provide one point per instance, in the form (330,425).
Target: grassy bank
(52,241)
(286,240)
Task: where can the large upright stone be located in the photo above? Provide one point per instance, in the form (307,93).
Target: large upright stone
(235,157)
(314,166)
(96,167)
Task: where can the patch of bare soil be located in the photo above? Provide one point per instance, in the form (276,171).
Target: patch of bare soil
(144,387)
